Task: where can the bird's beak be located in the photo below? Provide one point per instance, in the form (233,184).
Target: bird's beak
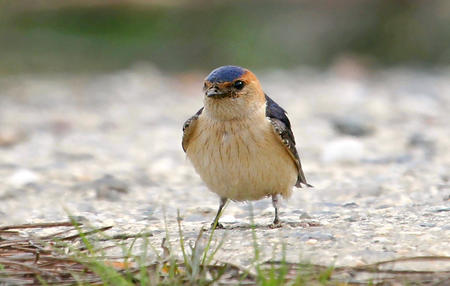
(215,92)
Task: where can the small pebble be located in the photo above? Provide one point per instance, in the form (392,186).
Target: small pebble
(350,205)
(23,177)
(311,241)
(305,216)
(354,126)
(110,188)
(344,150)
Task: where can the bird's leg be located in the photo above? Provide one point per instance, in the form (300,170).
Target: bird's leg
(275,202)
(215,222)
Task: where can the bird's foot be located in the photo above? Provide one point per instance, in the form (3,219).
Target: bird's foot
(218,226)
(276,224)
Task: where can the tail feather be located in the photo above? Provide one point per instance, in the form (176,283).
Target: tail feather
(302,180)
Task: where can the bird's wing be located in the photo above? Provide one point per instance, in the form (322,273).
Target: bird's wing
(282,127)
(188,128)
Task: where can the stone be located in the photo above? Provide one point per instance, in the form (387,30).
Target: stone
(350,205)
(317,235)
(70,156)
(10,137)
(110,188)
(343,150)
(353,125)
(353,218)
(23,177)
(441,209)
(305,215)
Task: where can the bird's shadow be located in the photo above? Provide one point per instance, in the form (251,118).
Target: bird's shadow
(261,226)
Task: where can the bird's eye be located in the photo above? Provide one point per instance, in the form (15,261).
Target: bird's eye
(239,84)
(204,85)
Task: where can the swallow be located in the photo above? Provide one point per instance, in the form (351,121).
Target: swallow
(241,143)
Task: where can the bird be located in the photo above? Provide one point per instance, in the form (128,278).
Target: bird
(241,143)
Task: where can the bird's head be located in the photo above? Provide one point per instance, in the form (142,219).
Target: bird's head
(232,92)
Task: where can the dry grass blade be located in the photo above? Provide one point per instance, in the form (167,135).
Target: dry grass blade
(25,259)
(378,273)
(127,236)
(27,266)
(97,230)
(36,225)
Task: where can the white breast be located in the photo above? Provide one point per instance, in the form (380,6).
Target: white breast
(241,159)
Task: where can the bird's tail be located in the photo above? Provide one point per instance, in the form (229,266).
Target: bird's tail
(302,180)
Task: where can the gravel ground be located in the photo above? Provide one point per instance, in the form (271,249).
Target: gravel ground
(107,148)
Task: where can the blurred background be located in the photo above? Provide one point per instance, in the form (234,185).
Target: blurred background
(178,36)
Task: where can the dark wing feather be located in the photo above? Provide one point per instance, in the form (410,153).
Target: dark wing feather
(282,127)
(188,127)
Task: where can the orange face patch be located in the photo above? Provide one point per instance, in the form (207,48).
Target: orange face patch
(248,76)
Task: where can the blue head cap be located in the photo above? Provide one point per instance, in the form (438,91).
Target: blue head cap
(225,74)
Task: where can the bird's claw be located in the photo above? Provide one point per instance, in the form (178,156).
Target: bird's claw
(218,226)
(276,224)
